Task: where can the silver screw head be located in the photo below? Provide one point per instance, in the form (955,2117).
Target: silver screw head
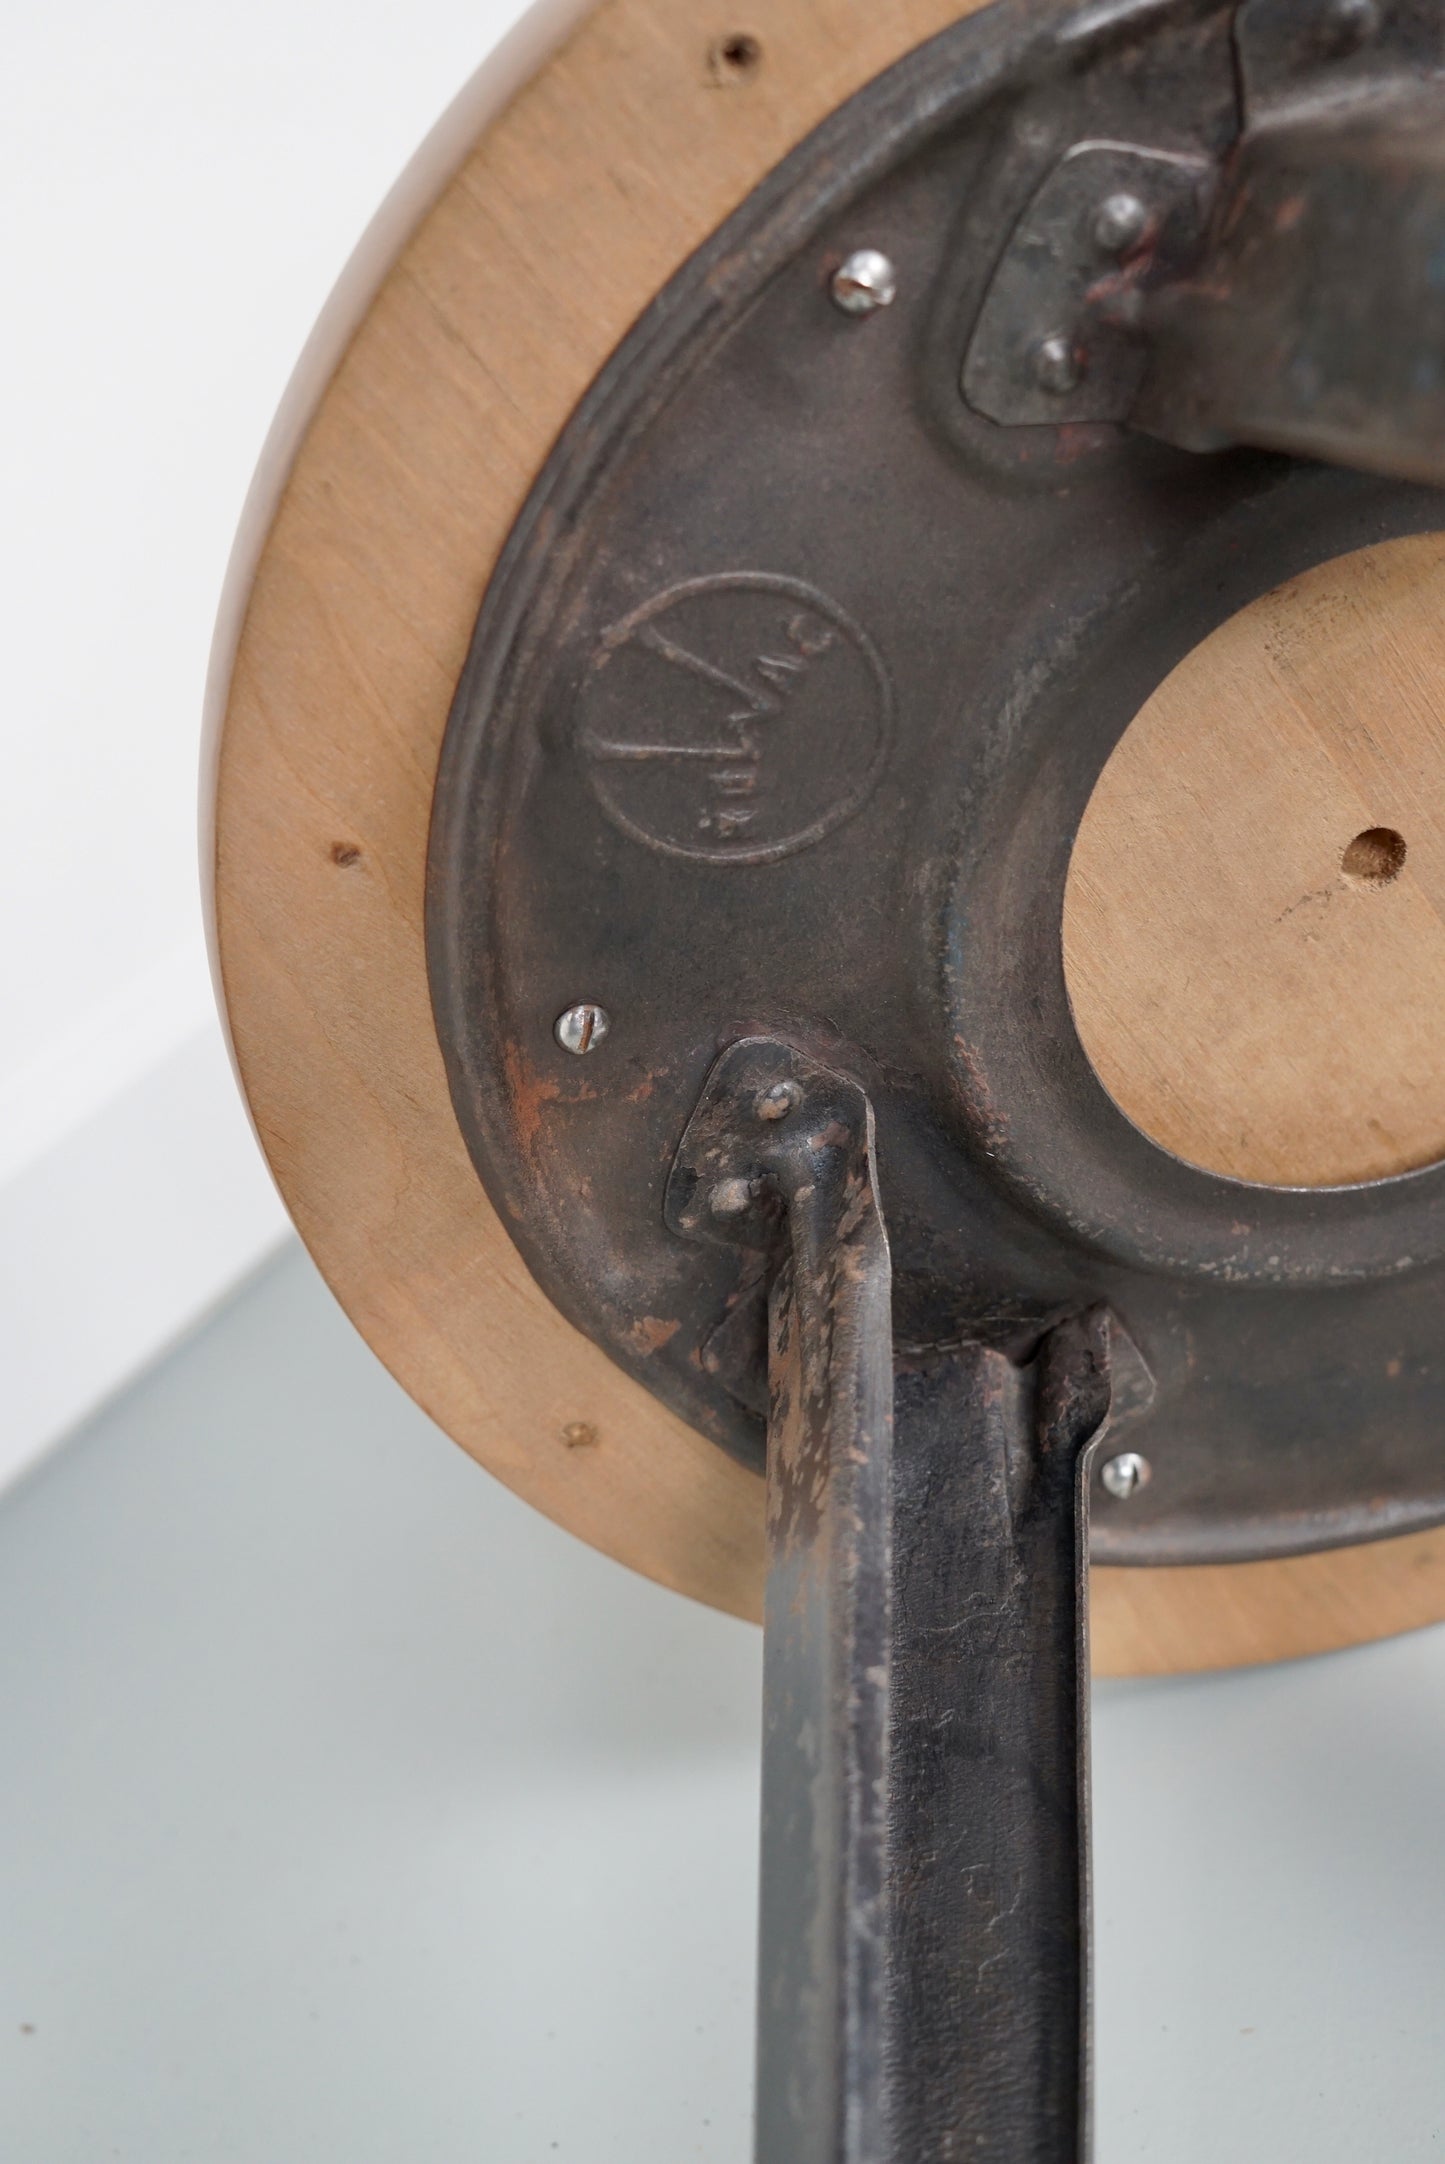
(1057,367)
(777,1101)
(1119,222)
(864,282)
(1126,1475)
(582,1028)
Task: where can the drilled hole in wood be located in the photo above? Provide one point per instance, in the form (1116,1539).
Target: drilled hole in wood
(1374,858)
(737,55)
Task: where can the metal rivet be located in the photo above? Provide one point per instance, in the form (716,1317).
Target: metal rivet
(867,280)
(1057,366)
(582,1028)
(1126,1475)
(730,1198)
(1119,222)
(776,1102)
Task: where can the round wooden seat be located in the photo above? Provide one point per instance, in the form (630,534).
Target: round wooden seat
(592,166)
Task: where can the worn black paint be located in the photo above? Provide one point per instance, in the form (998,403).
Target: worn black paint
(924,1967)
(781,715)
(1000,603)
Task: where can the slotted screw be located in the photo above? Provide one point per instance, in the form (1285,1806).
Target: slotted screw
(582,1028)
(1126,1475)
(865,282)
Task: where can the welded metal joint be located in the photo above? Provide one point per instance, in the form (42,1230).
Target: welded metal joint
(779,1157)
(1283,293)
(924,1958)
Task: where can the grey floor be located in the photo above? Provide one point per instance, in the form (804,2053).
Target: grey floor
(349,1812)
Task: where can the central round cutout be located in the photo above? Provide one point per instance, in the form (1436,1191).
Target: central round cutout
(1254,951)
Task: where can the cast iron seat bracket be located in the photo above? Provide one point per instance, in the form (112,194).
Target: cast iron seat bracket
(1284,292)
(785,702)
(925,1776)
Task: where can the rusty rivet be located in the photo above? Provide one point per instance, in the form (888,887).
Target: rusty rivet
(730,1198)
(777,1101)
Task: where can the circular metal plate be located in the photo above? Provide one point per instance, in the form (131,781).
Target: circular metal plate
(782,714)
(426,404)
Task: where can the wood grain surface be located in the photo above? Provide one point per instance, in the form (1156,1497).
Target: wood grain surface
(1255,915)
(643,128)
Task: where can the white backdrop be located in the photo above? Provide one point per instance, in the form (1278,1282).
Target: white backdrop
(185,183)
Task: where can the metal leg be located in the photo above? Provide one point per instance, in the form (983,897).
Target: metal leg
(824,1984)
(989,1879)
(779,1156)
(924,1957)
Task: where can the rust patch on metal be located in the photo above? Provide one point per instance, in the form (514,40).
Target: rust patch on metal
(650,1333)
(528,1092)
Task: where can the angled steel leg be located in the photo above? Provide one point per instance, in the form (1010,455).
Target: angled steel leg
(779,1155)
(989,1794)
(924,1956)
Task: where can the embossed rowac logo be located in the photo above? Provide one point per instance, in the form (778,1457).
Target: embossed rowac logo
(735,718)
